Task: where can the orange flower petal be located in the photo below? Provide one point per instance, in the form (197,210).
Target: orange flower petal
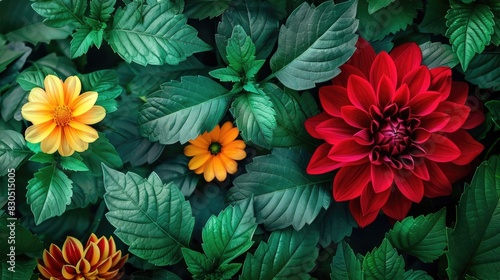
(236,144)
(92,239)
(72,88)
(209,173)
(92,116)
(104,266)
(73,140)
(83,266)
(203,141)
(215,134)
(72,250)
(219,169)
(84,132)
(38,95)
(54,90)
(229,136)
(110,274)
(83,103)
(50,144)
(65,149)
(50,261)
(200,169)
(236,154)
(37,132)
(199,160)
(230,165)
(37,112)
(112,246)
(192,150)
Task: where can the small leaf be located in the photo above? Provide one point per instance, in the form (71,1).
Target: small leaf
(73,163)
(255,117)
(197,263)
(101,151)
(438,54)
(469,29)
(226,74)
(345,265)
(423,237)
(84,37)
(48,193)
(313,43)
(59,13)
(240,49)
(106,84)
(287,254)
(155,231)
(42,157)
(102,9)
(375,5)
(176,170)
(383,262)
(168,114)
(201,9)
(164,35)
(227,271)
(13,150)
(494,111)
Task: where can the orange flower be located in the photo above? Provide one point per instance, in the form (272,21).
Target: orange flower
(60,116)
(215,153)
(98,260)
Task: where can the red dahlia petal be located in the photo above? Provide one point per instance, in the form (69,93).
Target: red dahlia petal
(385,91)
(364,137)
(383,65)
(371,201)
(439,185)
(420,135)
(355,117)
(420,169)
(312,122)
(418,80)
(406,58)
(434,121)
(335,129)
(454,172)
(469,147)
(402,96)
(350,182)
(333,98)
(410,186)
(349,150)
(459,92)
(362,220)
(458,115)
(441,81)
(441,149)
(397,206)
(474,119)
(346,71)
(360,93)
(320,163)
(382,177)
(363,57)
(424,103)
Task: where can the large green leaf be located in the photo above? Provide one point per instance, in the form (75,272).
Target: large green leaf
(495,9)
(255,117)
(391,19)
(313,43)
(101,151)
(438,54)
(288,254)
(153,36)
(23,269)
(101,9)
(181,111)
(228,235)
(423,237)
(345,265)
(38,32)
(153,219)
(434,17)
(23,240)
(59,13)
(176,170)
(259,22)
(48,193)
(474,243)
(201,9)
(484,71)
(13,150)
(283,192)
(469,28)
(106,84)
(383,263)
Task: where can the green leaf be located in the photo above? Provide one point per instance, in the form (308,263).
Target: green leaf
(24,241)
(201,9)
(30,79)
(73,163)
(42,157)
(474,243)
(313,43)
(287,254)
(495,9)
(335,223)
(12,102)
(8,56)
(84,37)
(38,32)
(226,74)
(155,274)
(164,36)
(438,54)
(258,21)
(106,84)
(102,9)
(423,237)
(383,262)
(13,150)
(375,5)
(240,49)
(469,29)
(345,265)
(228,235)
(494,111)
(168,114)
(23,269)
(416,275)
(278,177)
(197,263)
(434,18)
(484,71)
(389,20)
(101,151)
(176,170)
(48,193)
(87,189)
(59,13)
(155,231)
(255,117)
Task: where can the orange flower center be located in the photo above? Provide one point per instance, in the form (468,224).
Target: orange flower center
(62,115)
(214,148)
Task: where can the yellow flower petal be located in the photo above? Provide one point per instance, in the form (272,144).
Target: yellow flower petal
(38,95)
(230,165)
(209,173)
(65,149)
(50,144)
(219,169)
(199,160)
(43,271)
(92,254)
(192,150)
(54,90)
(72,250)
(92,116)
(37,112)
(69,272)
(215,134)
(73,140)
(84,132)
(72,88)
(37,132)
(83,103)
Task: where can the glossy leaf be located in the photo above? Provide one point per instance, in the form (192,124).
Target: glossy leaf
(383,262)
(176,170)
(484,71)
(438,54)
(335,223)
(101,151)
(375,5)
(345,265)
(101,9)
(416,275)
(59,13)
(106,84)
(13,150)
(73,163)
(197,263)
(201,9)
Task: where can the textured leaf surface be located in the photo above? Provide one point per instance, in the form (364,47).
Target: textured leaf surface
(484,71)
(23,269)
(87,189)
(84,37)
(59,13)
(383,263)
(13,150)
(335,223)
(284,194)
(495,9)
(101,9)
(154,36)
(423,237)
(201,9)
(197,263)
(469,29)
(375,5)
(313,43)
(181,111)
(106,84)
(176,170)
(255,117)
(287,254)
(438,54)
(48,193)
(153,219)
(416,275)
(474,243)
(73,163)
(101,151)
(345,265)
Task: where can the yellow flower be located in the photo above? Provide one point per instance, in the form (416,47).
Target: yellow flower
(60,116)
(215,153)
(98,260)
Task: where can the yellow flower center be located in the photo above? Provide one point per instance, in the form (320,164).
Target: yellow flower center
(62,115)
(214,148)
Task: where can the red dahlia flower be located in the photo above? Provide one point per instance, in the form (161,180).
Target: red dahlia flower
(395,130)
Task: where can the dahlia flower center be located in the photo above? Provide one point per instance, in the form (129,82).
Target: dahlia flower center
(393,136)
(62,115)
(214,148)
